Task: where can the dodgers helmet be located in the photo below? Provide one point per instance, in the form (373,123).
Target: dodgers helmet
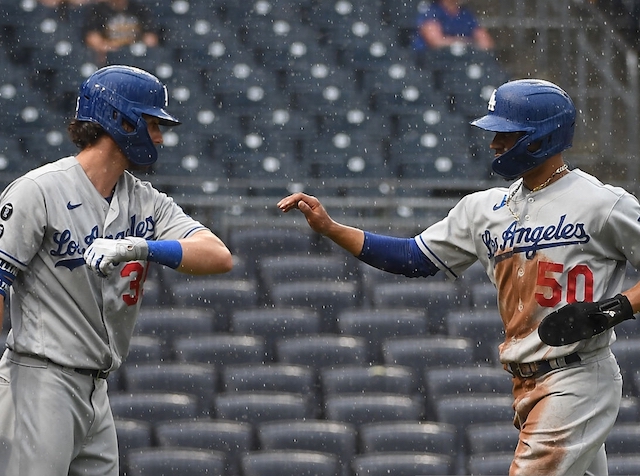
(542,111)
(117,95)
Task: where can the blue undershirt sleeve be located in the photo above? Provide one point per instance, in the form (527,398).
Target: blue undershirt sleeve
(396,255)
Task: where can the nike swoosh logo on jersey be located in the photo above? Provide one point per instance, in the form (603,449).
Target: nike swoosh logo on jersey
(71,264)
(71,206)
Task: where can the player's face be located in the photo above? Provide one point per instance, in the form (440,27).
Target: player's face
(503,141)
(153,126)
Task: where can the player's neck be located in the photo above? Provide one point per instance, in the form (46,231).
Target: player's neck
(545,174)
(103,168)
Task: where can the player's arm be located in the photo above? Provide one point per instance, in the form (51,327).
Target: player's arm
(201,253)
(204,253)
(395,255)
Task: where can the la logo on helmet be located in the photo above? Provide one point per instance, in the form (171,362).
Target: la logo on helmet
(492,102)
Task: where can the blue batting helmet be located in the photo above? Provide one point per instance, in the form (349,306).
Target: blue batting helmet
(542,111)
(115,95)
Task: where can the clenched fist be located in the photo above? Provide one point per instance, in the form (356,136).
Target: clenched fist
(104,254)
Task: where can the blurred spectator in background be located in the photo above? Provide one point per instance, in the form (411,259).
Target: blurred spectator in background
(112,24)
(449,22)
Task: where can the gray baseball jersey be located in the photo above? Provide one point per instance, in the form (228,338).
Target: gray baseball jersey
(571,243)
(60,309)
(567,242)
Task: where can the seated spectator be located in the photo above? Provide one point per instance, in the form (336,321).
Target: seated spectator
(111,24)
(449,22)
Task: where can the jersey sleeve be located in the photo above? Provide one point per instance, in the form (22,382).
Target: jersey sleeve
(623,223)
(172,223)
(23,214)
(449,243)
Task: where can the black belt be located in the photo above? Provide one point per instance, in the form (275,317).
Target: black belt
(541,367)
(88,372)
(92,373)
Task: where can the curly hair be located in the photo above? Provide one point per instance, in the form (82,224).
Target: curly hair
(84,133)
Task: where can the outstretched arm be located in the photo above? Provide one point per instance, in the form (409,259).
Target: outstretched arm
(395,255)
(349,238)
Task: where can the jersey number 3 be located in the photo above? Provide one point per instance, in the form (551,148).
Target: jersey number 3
(136,273)
(550,291)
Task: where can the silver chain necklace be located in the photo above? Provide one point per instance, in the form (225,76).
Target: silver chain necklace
(559,170)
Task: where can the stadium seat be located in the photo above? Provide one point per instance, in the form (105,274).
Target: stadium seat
(624,438)
(132,434)
(295,268)
(255,243)
(164,461)
(273,377)
(321,350)
(220,349)
(442,383)
(492,437)
(623,465)
(153,406)
(223,296)
(258,407)
(378,324)
(627,352)
(169,323)
(358,409)
(491,464)
(275,323)
(483,326)
(462,411)
(629,410)
(484,296)
(287,462)
(324,297)
(336,438)
(190,378)
(359,379)
(420,353)
(408,436)
(144,348)
(437,298)
(401,464)
(232,438)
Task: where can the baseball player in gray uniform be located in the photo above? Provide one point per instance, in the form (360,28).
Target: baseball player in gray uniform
(555,236)
(76,240)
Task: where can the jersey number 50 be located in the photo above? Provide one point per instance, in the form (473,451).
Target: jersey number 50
(551,290)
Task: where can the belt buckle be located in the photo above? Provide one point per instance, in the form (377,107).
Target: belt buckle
(531,369)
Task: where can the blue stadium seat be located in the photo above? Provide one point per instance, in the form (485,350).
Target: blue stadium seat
(280,462)
(175,461)
(401,464)
(360,409)
(324,297)
(195,379)
(232,438)
(153,406)
(335,438)
(272,324)
(378,324)
(436,298)
(219,349)
(408,436)
(321,351)
(360,379)
(260,407)
(483,326)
